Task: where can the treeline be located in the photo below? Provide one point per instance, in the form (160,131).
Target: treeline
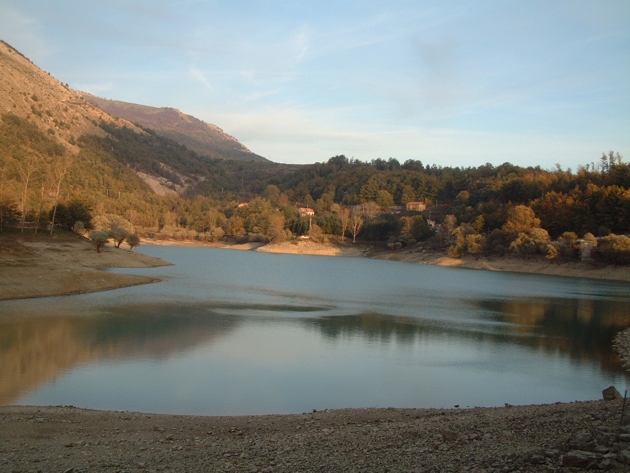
(469,210)
(595,196)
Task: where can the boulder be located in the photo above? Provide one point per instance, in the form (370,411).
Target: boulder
(577,459)
(611,394)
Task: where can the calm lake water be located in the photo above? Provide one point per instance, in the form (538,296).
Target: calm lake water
(240,332)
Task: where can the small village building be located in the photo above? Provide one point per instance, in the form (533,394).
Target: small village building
(306,212)
(416,206)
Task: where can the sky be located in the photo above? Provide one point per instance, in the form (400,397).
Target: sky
(452,83)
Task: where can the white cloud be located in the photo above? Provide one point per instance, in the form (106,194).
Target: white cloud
(197,74)
(290,135)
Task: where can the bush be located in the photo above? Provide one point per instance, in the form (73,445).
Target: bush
(616,249)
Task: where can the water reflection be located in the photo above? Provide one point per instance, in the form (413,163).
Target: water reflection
(258,333)
(38,350)
(581,328)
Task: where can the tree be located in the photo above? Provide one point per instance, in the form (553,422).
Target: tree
(275,231)
(67,215)
(26,168)
(99,239)
(272,193)
(521,219)
(118,234)
(133,240)
(57,175)
(8,213)
(616,249)
(384,199)
(356,223)
(344,216)
(371,209)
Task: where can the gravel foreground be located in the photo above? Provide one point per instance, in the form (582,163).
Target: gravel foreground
(557,437)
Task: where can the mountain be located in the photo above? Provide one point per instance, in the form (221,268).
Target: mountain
(29,92)
(44,120)
(203,138)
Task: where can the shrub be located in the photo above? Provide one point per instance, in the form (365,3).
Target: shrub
(616,249)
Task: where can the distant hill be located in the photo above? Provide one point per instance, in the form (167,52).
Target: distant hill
(203,138)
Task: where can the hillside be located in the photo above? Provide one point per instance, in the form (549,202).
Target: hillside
(203,138)
(29,92)
(44,122)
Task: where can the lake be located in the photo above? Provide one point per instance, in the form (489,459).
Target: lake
(239,332)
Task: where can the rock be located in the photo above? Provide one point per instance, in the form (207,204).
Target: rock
(624,457)
(449,435)
(157,428)
(611,394)
(579,459)
(537,460)
(581,441)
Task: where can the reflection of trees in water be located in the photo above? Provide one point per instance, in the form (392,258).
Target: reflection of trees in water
(582,329)
(34,351)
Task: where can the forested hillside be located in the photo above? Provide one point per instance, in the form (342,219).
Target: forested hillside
(65,163)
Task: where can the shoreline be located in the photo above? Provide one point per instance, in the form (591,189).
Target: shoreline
(540,266)
(32,267)
(546,437)
(529,437)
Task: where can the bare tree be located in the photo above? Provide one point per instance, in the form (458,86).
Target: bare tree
(58,172)
(26,168)
(344,216)
(42,200)
(3,166)
(356,223)
(371,209)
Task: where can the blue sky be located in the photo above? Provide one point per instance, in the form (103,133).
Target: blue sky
(457,83)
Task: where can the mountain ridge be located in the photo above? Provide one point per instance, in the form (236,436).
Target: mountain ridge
(197,135)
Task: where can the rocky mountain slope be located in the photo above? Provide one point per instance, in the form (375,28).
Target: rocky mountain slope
(29,92)
(203,138)
(44,121)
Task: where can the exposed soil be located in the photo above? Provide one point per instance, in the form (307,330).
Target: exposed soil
(557,437)
(38,266)
(512,264)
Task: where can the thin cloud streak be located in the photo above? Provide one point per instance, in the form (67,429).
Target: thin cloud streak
(464,82)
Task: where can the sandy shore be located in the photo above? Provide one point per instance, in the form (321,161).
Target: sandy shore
(420,256)
(557,437)
(512,264)
(39,266)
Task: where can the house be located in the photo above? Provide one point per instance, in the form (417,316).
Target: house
(306,212)
(416,206)
(241,205)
